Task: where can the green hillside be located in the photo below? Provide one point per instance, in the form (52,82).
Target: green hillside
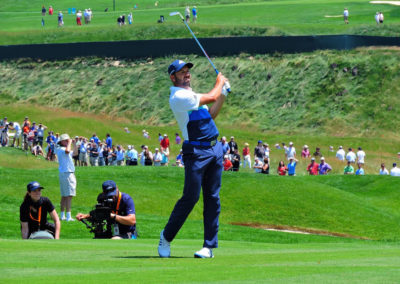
(343,93)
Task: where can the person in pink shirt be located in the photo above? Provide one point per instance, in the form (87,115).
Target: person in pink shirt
(306,152)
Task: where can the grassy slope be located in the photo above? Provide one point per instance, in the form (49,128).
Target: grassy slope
(216,18)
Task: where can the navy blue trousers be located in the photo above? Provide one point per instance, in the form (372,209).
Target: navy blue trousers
(203,169)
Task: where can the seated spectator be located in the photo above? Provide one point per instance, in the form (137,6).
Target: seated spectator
(146,134)
(306,152)
(265,167)
(317,152)
(383,171)
(257,165)
(179,159)
(227,163)
(324,168)
(235,161)
(351,156)
(37,151)
(313,167)
(282,169)
(360,170)
(348,170)
(292,166)
(395,172)
(340,154)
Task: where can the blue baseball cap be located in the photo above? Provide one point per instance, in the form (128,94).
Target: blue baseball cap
(33,185)
(177,65)
(259,141)
(109,188)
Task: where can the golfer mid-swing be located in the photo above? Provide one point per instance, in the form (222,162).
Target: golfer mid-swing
(202,156)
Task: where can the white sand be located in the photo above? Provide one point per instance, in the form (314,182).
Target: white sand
(396,3)
(335,16)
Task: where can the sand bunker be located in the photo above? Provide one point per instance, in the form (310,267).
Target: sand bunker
(334,16)
(396,3)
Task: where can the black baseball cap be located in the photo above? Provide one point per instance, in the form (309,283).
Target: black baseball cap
(33,185)
(177,65)
(109,188)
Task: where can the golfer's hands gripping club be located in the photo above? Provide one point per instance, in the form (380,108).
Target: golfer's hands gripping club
(226,88)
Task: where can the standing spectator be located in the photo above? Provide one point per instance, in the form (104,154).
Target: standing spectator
(265,167)
(225,146)
(145,134)
(94,154)
(259,151)
(27,121)
(351,157)
(227,163)
(306,152)
(340,154)
(317,152)
(282,169)
(348,170)
(398,155)
(40,134)
(95,139)
(67,176)
(381,18)
(119,21)
(164,156)
(50,146)
(60,19)
(257,165)
(194,14)
(383,171)
(290,151)
(43,11)
(79,18)
(360,155)
(246,156)
(18,131)
(377,18)
(236,161)
(34,130)
(160,138)
(100,150)
(120,155)
(148,157)
(75,152)
(292,166)
(266,150)
(134,156)
(346,16)
(187,14)
(395,172)
(83,149)
(51,10)
(108,141)
(360,170)
(232,145)
(178,139)
(123,20)
(4,135)
(165,142)
(324,168)
(157,158)
(179,159)
(130,18)
(313,167)
(90,15)
(86,16)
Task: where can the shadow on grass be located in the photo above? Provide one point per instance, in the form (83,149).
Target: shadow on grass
(149,256)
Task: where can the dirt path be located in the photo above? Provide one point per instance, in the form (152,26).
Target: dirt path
(396,3)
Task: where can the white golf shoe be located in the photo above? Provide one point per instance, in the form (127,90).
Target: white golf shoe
(164,249)
(204,253)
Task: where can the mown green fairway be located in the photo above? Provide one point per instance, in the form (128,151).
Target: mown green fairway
(87,261)
(216,18)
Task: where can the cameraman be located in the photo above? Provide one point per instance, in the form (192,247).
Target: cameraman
(123,210)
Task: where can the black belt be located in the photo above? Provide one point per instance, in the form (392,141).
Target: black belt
(201,143)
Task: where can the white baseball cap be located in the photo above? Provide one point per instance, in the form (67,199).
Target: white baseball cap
(322,158)
(290,143)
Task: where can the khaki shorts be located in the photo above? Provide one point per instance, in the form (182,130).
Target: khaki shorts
(82,157)
(67,184)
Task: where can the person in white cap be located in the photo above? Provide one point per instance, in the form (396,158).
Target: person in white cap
(324,168)
(66,175)
(290,152)
(306,152)
(157,157)
(340,154)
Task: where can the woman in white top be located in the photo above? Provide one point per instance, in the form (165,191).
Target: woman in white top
(383,171)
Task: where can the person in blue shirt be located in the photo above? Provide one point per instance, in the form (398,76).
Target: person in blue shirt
(202,155)
(292,166)
(123,211)
(95,139)
(360,170)
(194,13)
(108,141)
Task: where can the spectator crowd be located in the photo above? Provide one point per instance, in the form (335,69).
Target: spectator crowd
(93,151)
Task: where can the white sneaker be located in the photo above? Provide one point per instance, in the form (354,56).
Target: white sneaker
(70,219)
(164,249)
(63,218)
(204,253)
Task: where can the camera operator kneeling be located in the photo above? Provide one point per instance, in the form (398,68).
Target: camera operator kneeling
(33,215)
(121,213)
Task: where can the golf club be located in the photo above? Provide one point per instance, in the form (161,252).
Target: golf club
(227,86)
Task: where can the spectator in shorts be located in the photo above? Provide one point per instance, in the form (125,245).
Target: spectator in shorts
(306,152)
(43,11)
(265,167)
(157,158)
(282,169)
(348,170)
(130,18)
(246,156)
(83,149)
(313,167)
(324,168)
(346,16)
(235,161)
(60,19)
(340,154)
(40,134)
(164,156)
(187,14)
(381,18)
(100,149)
(194,14)
(75,152)
(120,155)
(257,165)
(94,154)
(67,176)
(18,131)
(227,163)
(383,171)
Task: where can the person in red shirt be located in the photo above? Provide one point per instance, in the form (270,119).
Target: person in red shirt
(282,169)
(227,163)
(313,167)
(246,156)
(51,10)
(165,142)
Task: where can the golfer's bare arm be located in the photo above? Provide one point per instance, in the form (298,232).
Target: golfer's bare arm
(215,96)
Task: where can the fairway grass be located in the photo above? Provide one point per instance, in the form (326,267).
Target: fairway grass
(136,261)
